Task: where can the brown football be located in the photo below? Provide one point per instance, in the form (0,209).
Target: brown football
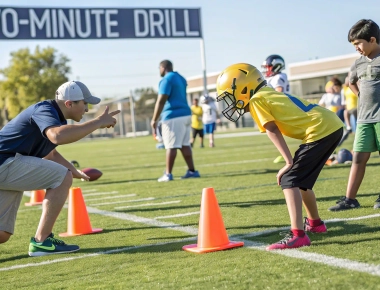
(93,173)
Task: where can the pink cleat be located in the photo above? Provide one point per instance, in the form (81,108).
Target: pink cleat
(290,242)
(317,230)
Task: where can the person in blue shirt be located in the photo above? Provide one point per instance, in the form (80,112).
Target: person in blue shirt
(29,160)
(175,114)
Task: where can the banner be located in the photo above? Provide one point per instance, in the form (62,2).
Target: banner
(98,23)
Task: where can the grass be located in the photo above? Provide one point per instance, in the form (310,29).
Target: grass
(143,252)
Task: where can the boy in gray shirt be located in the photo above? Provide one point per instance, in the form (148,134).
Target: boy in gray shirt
(365,83)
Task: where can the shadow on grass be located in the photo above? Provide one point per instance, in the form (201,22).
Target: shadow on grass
(336,197)
(14,258)
(338,229)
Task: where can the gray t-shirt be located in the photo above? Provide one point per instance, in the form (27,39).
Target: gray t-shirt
(367,72)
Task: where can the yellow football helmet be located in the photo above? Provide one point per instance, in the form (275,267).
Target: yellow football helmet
(236,85)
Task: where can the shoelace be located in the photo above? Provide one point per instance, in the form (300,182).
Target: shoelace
(56,241)
(342,199)
(288,236)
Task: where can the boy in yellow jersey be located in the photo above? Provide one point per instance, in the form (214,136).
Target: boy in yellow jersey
(196,122)
(243,88)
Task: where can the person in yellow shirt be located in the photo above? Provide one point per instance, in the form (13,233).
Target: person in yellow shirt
(351,102)
(243,89)
(196,122)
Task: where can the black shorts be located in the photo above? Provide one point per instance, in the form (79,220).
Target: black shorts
(309,160)
(197,132)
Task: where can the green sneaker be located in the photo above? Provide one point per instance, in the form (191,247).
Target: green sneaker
(50,246)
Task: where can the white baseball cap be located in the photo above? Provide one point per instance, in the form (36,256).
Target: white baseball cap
(75,91)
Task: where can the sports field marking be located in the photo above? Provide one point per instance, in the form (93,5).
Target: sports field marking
(234,162)
(100,193)
(148,204)
(116,202)
(298,254)
(143,220)
(29,209)
(318,258)
(89,190)
(176,215)
(241,134)
(90,255)
(110,197)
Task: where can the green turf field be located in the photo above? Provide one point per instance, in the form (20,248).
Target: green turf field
(146,223)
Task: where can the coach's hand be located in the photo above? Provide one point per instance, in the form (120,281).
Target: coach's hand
(107,119)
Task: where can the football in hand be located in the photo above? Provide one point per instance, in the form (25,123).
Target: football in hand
(93,173)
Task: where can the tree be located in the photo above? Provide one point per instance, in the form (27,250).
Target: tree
(31,78)
(145,102)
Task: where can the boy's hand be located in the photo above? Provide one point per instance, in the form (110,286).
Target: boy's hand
(282,171)
(107,119)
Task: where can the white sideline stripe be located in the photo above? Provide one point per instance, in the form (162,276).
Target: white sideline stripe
(319,258)
(29,209)
(89,190)
(241,134)
(100,193)
(148,204)
(133,200)
(294,253)
(91,255)
(235,162)
(177,215)
(147,221)
(110,197)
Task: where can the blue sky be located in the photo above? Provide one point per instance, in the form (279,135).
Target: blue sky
(234,31)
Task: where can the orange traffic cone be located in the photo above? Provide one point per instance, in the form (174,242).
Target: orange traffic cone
(212,235)
(78,222)
(36,197)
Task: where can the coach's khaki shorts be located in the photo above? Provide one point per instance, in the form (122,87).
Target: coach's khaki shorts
(176,132)
(22,173)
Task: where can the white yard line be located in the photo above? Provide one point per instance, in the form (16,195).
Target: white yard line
(31,208)
(176,215)
(116,202)
(89,190)
(100,193)
(235,162)
(110,197)
(294,253)
(148,204)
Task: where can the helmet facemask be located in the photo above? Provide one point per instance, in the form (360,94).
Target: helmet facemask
(267,70)
(235,108)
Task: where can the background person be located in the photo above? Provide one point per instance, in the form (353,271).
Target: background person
(365,37)
(29,160)
(332,99)
(196,122)
(272,70)
(175,114)
(210,117)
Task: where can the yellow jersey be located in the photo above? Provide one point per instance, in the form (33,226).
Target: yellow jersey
(351,99)
(196,117)
(295,117)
